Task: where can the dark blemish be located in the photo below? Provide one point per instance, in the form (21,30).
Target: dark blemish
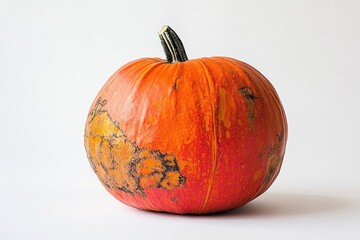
(174,199)
(124,189)
(249,97)
(106,184)
(247,93)
(104,167)
(97,110)
(182,179)
(280,136)
(274,158)
(274,148)
(166,173)
(175,86)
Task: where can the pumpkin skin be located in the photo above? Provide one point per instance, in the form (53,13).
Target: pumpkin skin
(193,137)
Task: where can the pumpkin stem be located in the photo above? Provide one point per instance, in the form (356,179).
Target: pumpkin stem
(173,47)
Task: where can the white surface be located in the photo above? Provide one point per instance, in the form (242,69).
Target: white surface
(55,56)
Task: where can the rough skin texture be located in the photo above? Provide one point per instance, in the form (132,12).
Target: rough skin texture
(120,164)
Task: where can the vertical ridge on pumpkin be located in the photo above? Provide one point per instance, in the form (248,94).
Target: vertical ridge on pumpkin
(210,83)
(134,88)
(127,67)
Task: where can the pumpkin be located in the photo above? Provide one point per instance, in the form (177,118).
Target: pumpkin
(186,136)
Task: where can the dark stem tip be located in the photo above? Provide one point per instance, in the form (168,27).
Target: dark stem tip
(173,47)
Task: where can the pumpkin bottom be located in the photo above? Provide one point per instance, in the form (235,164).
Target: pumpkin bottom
(176,205)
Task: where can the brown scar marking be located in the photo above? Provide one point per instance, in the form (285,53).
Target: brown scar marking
(120,163)
(249,98)
(274,159)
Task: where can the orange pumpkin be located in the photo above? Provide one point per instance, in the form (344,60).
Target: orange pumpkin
(186,136)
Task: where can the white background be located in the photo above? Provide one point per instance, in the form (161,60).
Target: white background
(56,55)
